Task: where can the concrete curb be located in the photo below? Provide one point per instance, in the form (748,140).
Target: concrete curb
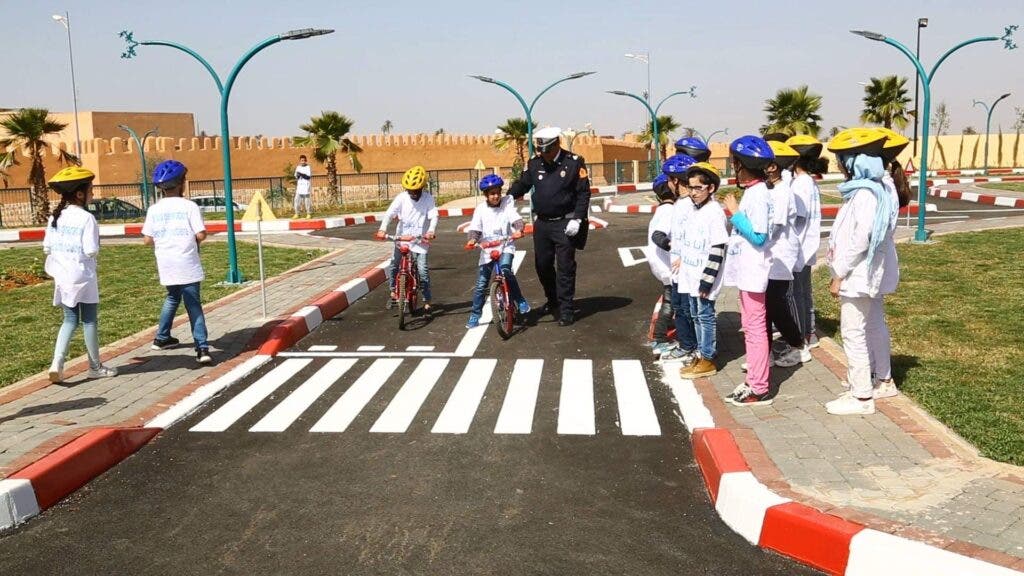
(808,535)
(976,180)
(990,199)
(43,483)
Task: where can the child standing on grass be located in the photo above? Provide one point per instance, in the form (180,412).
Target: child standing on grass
(71,244)
(174,227)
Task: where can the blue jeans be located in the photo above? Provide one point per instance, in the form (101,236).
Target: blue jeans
(193,305)
(696,325)
(483,280)
(422,268)
(87,313)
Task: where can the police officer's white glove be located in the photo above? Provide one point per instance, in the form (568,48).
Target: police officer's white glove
(573,227)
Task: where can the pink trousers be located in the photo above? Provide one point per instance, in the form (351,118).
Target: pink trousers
(753,314)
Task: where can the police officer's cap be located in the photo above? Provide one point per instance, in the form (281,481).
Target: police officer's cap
(547,137)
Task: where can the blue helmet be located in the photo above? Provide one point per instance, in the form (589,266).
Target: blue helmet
(753,152)
(693,147)
(659,180)
(676,166)
(491,181)
(169,174)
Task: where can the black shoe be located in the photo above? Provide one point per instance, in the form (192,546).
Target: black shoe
(566,321)
(165,344)
(203,356)
(548,309)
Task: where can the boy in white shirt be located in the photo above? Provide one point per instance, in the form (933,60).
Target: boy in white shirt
(494,218)
(174,227)
(659,234)
(417,216)
(303,186)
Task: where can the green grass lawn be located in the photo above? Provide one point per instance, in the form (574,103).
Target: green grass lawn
(1012,186)
(130,297)
(957,343)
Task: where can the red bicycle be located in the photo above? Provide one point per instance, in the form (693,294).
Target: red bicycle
(407,279)
(503,307)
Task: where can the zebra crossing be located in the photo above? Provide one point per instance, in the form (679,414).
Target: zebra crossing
(283,396)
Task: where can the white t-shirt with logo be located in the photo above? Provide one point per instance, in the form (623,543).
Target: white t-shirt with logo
(415,218)
(302,185)
(807,233)
(746,265)
(660,260)
(782,246)
(704,227)
(173,223)
(71,250)
(494,223)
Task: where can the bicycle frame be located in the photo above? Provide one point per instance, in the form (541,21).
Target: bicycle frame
(507,311)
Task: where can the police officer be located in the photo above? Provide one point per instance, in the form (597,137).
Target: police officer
(561,200)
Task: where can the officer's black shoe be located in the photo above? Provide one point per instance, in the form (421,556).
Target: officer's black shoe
(566,321)
(549,308)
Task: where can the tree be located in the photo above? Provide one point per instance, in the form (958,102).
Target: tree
(326,135)
(793,111)
(439,132)
(969,131)
(513,134)
(28,128)
(666,125)
(885,102)
(386,128)
(940,123)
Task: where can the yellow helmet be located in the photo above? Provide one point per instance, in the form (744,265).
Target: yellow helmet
(415,178)
(894,143)
(858,141)
(706,168)
(808,146)
(785,155)
(72,174)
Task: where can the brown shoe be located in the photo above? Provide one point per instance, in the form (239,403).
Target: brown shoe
(702,368)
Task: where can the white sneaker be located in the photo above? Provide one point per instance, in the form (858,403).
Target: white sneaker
(771,364)
(56,372)
(788,358)
(102,372)
(739,390)
(805,354)
(848,405)
(885,389)
(812,341)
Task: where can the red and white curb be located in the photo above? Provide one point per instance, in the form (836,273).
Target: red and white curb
(45,482)
(978,180)
(765,519)
(1007,201)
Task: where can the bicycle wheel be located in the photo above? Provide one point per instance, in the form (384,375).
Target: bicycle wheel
(403,299)
(413,290)
(502,308)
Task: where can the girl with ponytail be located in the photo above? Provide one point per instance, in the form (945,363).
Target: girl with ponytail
(807,230)
(71,244)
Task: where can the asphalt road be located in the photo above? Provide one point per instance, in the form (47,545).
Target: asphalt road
(557,451)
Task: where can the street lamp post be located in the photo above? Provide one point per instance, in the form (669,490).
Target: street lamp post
(528,109)
(66,21)
(921,23)
(921,235)
(141,145)
(988,122)
(710,136)
(655,140)
(234,275)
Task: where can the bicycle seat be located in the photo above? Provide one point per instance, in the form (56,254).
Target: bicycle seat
(404,248)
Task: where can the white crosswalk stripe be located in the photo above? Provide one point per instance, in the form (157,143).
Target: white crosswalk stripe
(518,390)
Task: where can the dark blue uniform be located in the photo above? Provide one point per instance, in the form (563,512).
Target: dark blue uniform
(561,192)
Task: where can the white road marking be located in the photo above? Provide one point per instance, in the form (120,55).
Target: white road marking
(289,410)
(352,402)
(370,348)
(322,348)
(420,348)
(576,402)
(235,408)
(516,416)
(403,407)
(458,412)
(636,409)
(626,255)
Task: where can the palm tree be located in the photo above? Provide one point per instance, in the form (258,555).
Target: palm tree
(666,126)
(793,111)
(885,102)
(513,134)
(28,128)
(326,135)
(386,128)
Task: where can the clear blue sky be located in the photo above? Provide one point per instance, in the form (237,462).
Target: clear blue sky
(407,61)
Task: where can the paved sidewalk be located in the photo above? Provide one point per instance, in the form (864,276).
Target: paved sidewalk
(36,417)
(897,471)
